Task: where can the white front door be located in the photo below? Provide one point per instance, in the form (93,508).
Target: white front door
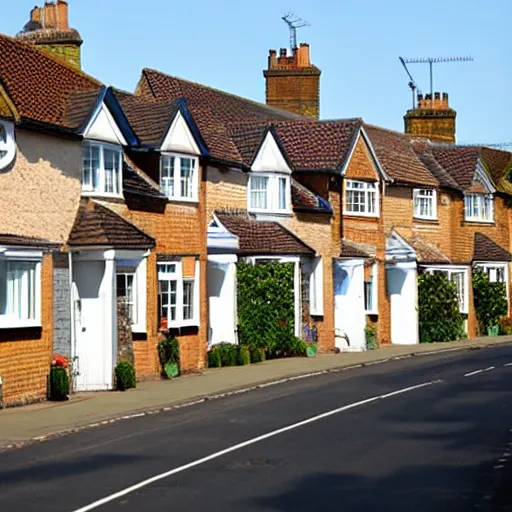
(222,299)
(402,290)
(349,314)
(93,341)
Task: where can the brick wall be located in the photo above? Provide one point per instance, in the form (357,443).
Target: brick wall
(225,189)
(69,53)
(180,231)
(26,354)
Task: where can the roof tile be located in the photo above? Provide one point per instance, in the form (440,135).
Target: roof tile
(486,249)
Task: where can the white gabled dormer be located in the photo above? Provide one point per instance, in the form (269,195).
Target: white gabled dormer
(479,200)
(7,143)
(269,189)
(102,155)
(179,163)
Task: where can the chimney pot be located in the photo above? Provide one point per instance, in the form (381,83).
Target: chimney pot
(437,95)
(282,52)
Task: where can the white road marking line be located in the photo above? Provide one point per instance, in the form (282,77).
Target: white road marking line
(473,373)
(239,446)
(490,368)
(508,364)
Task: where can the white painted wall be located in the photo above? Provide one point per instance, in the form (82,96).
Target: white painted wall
(103,127)
(270,158)
(349,314)
(222,299)
(179,138)
(403,292)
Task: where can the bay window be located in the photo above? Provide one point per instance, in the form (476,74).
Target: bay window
(102,169)
(179,177)
(458,276)
(178,283)
(20,290)
(425,203)
(478,208)
(361,198)
(269,192)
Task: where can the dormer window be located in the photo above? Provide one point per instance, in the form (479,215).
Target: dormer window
(479,208)
(7,144)
(269,193)
(102,169)
(179,177)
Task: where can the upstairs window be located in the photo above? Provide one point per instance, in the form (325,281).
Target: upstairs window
(179,177)
(102,168)
(479,208)
(361,198)
(269,192)
(7,144)
(425,203)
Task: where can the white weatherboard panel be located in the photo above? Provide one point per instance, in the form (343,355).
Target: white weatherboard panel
(179,138)
(270,158)
(102,127)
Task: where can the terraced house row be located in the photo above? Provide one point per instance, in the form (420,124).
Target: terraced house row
(152,198)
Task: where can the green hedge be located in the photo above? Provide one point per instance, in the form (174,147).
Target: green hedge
(266,306)
(490,300)
(58,383)
(439,316)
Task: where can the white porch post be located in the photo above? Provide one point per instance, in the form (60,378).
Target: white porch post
(109,293)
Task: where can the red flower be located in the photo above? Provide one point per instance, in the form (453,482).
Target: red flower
(163,323)
(59,360)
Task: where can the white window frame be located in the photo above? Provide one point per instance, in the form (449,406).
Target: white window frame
(88,188)
(177,276)
(450,271)
(176,177)
(7,147)
(374,309)
(490,268)
(478,199)
(368,188)
(21,256)
(316,287)
(272,193)
(425,194)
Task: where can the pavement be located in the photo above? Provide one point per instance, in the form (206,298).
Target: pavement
(40,421)
(423,433)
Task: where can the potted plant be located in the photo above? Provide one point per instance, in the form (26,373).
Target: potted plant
(169,355)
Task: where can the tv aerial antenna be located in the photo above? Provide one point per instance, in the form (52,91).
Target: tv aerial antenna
(294,22)
(412,84)
(434,60)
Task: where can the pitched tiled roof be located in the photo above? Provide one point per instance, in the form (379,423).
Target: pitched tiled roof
(97,225)
(460,162)
(149,118)
(137,183)
(350,249)
(486,249)
(25,241)
(304,200)
(308,145)
(261,237)
(398,158)
(43,88)
(425,252)
(499,164)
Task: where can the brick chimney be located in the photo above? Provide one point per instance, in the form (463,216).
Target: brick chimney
(292,82)
(48,29)
(432,118)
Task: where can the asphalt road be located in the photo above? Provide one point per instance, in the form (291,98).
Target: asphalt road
(442,446)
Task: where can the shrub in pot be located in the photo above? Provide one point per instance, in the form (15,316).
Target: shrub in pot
(125,376)
(58,383)
(169,356)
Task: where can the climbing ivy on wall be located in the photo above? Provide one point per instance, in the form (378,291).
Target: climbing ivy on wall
(265,304)
(439,316)
(490,300)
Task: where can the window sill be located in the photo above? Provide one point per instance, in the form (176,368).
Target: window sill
(106,195)
(478,221)
(426,220)
(282,213)
(187,200)
(361,215)
(371,313)
(19,325)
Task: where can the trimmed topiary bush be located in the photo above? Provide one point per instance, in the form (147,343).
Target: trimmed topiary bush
(438,305)
(244,356)
(125,376)
(58,383)
(214,360)
(257,355)
(228,354)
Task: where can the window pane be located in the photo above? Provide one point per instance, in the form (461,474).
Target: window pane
(167,175)
(90,167)
(125,290)
(282,203)
(186,176)
(458,279)
(368,296)
(168,299)
(188,298)
(258,195)
(111,162)
(21,290)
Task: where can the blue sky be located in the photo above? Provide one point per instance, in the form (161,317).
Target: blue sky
(356,44)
